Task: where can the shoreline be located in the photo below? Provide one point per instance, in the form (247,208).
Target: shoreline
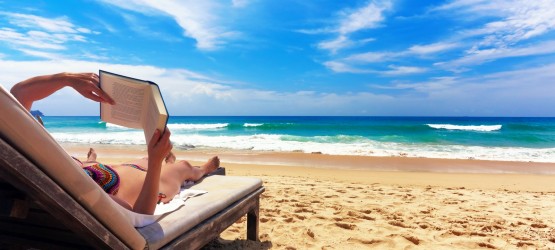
(317,160)
(526,176)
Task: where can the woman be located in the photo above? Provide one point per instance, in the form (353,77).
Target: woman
(129,184)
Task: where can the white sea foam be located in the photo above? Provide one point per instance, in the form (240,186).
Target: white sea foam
(115,126)
(129,137)
(483,128)
(354,146)
(192,126)
(267,142)
(253,124)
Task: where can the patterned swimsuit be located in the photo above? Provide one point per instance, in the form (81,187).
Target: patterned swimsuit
(106,177)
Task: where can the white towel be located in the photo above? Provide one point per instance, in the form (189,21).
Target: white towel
(141,220)
(187,184)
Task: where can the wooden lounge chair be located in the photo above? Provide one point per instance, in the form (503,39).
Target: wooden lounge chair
(47,202)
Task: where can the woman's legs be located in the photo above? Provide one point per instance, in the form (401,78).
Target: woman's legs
(143,162)
(173,175)
(171,178)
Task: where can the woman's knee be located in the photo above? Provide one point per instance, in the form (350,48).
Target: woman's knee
(184,164)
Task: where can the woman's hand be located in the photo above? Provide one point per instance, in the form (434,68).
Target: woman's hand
(159,146)
(39,87)
(87,84)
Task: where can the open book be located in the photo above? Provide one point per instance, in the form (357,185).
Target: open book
(139,103)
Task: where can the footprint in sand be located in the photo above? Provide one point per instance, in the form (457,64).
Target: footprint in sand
(412,239)
(300,217)
(423,226)
(304,210)
(300,205)
(398,224)
(310,233)
(359,215)
(487,245)
(366,211)
(289,220)
(345,225)
(264,220)
(365,242)
(524,244)
(538,225)
(456,233)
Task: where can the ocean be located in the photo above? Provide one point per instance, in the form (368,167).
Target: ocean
(485,138)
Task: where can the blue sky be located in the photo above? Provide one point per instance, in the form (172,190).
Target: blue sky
(260,57)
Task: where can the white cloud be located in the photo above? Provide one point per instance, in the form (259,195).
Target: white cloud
(432,48)
(55,25)
(477,57)
(522,84)
(508,32)
(325,30)
(513,22)
(335,44)
(515,93)
(394,70)
(369,16)
(42,54)
(354,62)
(201,20)
(434,84)
(403,70)
(523,92)
(341,67)
(29,39)
(31,33)
(188,93)
(240,3)
(369,57)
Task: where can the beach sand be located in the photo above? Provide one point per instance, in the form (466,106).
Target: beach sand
(315,201)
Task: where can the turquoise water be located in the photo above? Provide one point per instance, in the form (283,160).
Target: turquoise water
(520,139)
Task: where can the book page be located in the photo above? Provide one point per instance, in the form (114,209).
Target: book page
(129,103)
(131,98)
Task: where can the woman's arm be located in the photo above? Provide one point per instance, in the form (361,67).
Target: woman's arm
(39,87)
(158,148)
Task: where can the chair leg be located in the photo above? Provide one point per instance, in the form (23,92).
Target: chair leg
(252,222)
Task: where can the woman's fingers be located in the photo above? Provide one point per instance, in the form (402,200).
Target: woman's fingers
(103,96)
(155,138)
(159,145)
(88,85)
(165,141)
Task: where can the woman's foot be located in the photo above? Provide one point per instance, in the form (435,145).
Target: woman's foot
(211,165)
(91,155)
